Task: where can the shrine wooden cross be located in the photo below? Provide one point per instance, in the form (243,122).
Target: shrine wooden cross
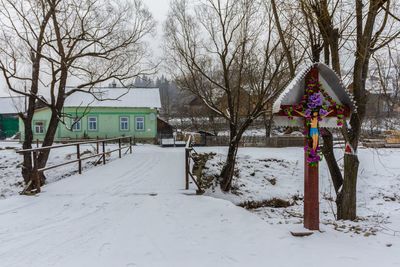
(315,98)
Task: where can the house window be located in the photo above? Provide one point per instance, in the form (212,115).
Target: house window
(92,123)
(124,123)
(140,123)
(39,127)
(76,124)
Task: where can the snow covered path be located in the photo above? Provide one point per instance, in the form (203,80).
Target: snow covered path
(134,212)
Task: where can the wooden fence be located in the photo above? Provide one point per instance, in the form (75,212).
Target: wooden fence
(255,141)
(123,143)
(189,164)
(83,140)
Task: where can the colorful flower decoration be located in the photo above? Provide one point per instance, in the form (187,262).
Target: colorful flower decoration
(315,99)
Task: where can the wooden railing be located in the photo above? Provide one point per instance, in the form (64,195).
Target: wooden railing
(34,153)
(80,140)
(189,163)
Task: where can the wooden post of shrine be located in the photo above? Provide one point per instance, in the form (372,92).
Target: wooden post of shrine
(311,175)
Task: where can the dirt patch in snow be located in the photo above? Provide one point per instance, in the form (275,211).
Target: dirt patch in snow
(274,203)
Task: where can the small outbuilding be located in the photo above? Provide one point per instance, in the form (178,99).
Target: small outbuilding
(164,128)
(9,109)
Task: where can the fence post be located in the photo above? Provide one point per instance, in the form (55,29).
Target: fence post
(97,145)
(37,143)
(187,168)
(130,144)
(36,172)
(78,156)
(104,152)
(119,145)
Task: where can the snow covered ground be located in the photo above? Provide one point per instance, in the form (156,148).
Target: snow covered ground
(275,173)
(267,173)
(134,212)
(11,181)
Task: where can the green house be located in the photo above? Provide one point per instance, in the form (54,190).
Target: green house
(105,113)
(9,109)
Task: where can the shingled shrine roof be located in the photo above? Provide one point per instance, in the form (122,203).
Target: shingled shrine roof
(294,92)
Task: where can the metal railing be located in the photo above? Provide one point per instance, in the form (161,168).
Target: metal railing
(189,163)
(34,153)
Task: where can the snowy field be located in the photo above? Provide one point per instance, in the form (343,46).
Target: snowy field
(134,212)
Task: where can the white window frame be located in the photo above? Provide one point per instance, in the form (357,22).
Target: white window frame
(39,129)
(90,124)
(124,123)
(141,122)
(76,124)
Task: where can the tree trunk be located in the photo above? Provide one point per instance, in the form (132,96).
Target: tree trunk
(347,198)
(268,125)
(28,137)
(56,112)
(47,141)
(327,150)
(334,44)
(27,144)
(229,167)
(213,126)
(285,47)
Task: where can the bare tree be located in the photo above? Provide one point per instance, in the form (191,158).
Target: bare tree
(24,25)
(225,52)
(84,43)
(386,74)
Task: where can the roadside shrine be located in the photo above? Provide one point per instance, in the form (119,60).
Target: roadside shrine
(314,99)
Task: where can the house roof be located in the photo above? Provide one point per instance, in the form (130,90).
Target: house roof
(11,105)
(116,97)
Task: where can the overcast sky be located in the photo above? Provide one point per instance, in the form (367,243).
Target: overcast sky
(159,9)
